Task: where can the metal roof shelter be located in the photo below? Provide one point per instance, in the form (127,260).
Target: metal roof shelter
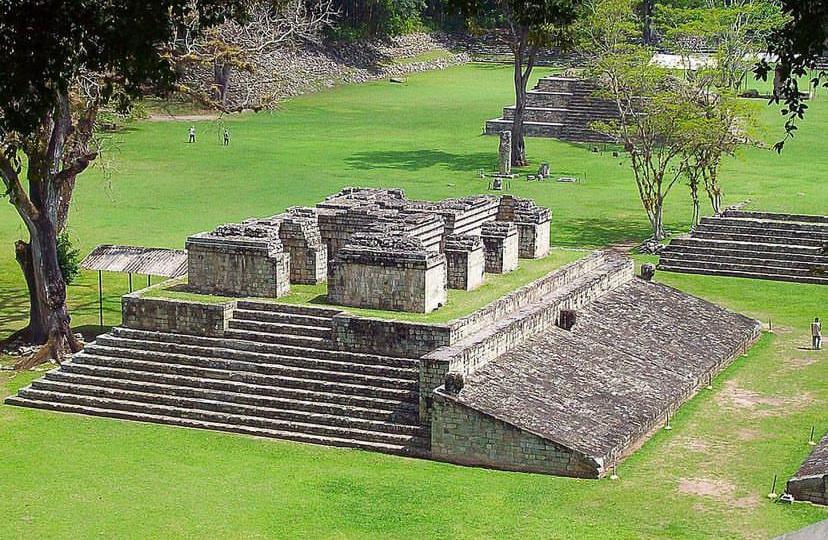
(134,260)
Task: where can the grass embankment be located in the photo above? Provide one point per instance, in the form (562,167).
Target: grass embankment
(78,477)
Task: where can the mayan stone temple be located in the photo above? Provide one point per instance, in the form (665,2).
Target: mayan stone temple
(565,375)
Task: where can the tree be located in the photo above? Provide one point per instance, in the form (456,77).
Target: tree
(61,62)
(527,26)
(796,47)
(238,46)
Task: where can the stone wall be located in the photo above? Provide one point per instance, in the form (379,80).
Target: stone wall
(500,241)
(465,261)
(388,272)
(532,223)
(811,480)
(392,338)
(238,260)
(175,316)
(465,436)
(466,355)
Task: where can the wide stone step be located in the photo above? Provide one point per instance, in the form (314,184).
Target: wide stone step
(770,267)
(754,223)
(678,256)
(264,347)
(692,249)
(130,348)
(801,218)
(740,272)
(306,372)
(280,328)
(288,319)
(271,332)
(538,114)
(763,238)
(530,129)
(218,422)
(301,380)
(760,231)
(758,247)
(125,378)
(288,308)
(247,405)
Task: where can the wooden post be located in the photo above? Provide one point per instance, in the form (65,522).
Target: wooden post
(100,297)
(130,282)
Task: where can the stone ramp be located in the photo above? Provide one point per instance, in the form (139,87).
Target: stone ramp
(811,480)
(273,374)
(575,402)
(760,245)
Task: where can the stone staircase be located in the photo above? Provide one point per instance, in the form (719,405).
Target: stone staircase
(562,108)
(274,374)
(782,247)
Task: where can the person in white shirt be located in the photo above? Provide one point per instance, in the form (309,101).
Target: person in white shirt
(816,334)
(191,132)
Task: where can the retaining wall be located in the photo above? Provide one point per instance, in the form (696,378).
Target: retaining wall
(175,316)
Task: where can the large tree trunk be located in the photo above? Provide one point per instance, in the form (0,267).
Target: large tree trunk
(521,79)
(221,80)
(657,221)
(49,321)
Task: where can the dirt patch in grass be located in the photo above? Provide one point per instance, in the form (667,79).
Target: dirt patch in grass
(716,489)
(800,362)
(690,443)
(733,397)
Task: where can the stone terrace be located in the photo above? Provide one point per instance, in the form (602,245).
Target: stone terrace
(574,403)
(811,480)
(759,245)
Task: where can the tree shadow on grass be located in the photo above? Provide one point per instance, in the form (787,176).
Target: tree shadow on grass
(415,160)
(597,232)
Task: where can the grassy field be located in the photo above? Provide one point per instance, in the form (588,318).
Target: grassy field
(77,477)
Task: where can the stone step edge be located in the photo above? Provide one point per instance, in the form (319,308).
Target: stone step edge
(245,314)
(201,404)
(278,380)
(737,266)
(235,386)
(792,264)
(273,359)
(171,337)
(319,440)
(747,275)
(391,382)
(295,309)
(170,389)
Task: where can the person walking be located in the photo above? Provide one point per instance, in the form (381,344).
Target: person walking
(816,334)
(226,137)
(192,134)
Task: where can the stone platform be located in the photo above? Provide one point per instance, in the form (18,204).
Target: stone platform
(811,480)
(758,245)
(560,108)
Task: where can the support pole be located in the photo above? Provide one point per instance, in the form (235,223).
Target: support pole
(130,282)
(149,280)
(100,297)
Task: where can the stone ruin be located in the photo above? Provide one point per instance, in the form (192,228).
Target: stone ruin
(376,248)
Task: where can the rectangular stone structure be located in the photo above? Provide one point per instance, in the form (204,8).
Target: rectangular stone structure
(466,262)
(532,223)
(238,260)
(298,229)
(388,272)
(500,241)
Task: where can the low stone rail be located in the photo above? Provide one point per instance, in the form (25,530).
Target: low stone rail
(175,316)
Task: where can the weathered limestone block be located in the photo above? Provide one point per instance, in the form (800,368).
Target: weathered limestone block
(238,260)
(500,240)
(466,262)
(532,222)
(388,272)
(505,152)
(300,234)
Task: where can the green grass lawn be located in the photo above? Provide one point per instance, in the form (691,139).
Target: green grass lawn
(78,477)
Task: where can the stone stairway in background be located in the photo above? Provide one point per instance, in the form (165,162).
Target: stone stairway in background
(274,374)
(561,108)
(782,247)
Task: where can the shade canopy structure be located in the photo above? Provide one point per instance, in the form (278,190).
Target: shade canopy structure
(137,260)
(130,260)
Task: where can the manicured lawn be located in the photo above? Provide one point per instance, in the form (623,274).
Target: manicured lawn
(78,477)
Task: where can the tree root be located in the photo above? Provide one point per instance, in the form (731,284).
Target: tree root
(54,349)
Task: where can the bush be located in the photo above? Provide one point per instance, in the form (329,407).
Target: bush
(68,258)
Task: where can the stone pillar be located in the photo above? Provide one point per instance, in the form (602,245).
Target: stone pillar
(299,233)
(500,241)
(532,223)
(505,152)
(465,260)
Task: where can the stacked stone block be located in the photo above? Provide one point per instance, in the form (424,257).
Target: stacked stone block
(388,272)
(500,240)
(238,260)
(466,262)
(532,223)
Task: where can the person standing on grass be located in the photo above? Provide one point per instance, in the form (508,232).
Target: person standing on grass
(226,137)
(816,334)
(191,133)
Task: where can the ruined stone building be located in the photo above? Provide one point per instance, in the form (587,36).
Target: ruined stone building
(565,375)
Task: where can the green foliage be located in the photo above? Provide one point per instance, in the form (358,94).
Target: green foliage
(372,18)
(68,258)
